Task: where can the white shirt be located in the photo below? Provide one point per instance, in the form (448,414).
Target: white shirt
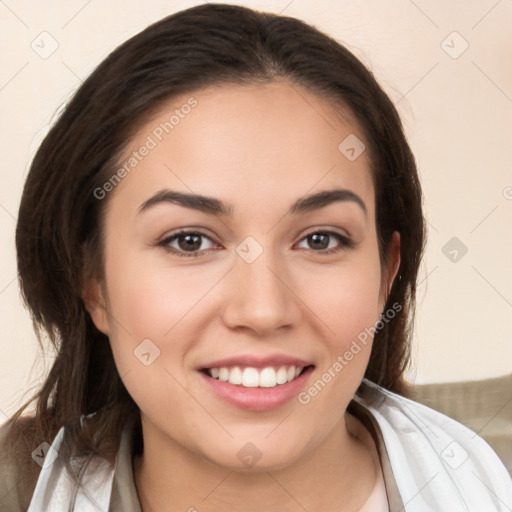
(430,463)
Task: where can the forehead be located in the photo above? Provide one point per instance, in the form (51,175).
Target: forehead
(254,146)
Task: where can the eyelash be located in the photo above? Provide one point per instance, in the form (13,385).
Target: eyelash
(346,243)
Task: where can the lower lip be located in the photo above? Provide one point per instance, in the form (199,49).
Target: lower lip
(258,399)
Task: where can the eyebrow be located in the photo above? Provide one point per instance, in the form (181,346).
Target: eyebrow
(214,206)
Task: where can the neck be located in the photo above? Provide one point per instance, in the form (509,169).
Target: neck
(337,475)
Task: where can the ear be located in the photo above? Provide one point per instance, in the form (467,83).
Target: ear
(94,297)
(390,269)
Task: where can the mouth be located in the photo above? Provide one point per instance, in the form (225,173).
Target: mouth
(251,377)
(264,386)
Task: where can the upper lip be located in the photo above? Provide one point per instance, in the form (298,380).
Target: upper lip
(257,361)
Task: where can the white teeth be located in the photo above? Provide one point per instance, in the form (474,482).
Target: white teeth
(268,378)
(282,375)
(252,378)
(235,375)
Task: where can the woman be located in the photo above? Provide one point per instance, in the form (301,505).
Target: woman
(223,147)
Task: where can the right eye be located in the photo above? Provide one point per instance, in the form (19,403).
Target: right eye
(186,243)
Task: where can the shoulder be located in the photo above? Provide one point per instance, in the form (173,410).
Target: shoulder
(433,455)
(19,470)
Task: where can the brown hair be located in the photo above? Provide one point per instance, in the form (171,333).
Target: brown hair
(59,231)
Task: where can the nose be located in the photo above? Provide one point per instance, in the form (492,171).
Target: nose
(260,296)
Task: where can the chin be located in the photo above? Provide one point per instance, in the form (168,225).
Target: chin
(252,457)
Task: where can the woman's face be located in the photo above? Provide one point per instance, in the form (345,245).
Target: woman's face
(266,278)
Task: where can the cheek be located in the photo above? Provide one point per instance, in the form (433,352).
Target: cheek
(155,310)
(149,299)
(148,308)
(346,298)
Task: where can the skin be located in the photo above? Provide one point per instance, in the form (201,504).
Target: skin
(260,148)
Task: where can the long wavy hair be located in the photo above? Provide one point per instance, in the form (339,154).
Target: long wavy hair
(59,235)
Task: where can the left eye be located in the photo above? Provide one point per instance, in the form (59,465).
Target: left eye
(321,240)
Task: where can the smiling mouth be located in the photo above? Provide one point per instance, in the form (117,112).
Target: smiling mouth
(250,377)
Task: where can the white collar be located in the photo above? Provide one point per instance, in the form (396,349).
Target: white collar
(57,491)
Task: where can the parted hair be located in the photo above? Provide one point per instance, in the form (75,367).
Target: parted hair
(60,227)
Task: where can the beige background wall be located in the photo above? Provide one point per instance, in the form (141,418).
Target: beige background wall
(456,104)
